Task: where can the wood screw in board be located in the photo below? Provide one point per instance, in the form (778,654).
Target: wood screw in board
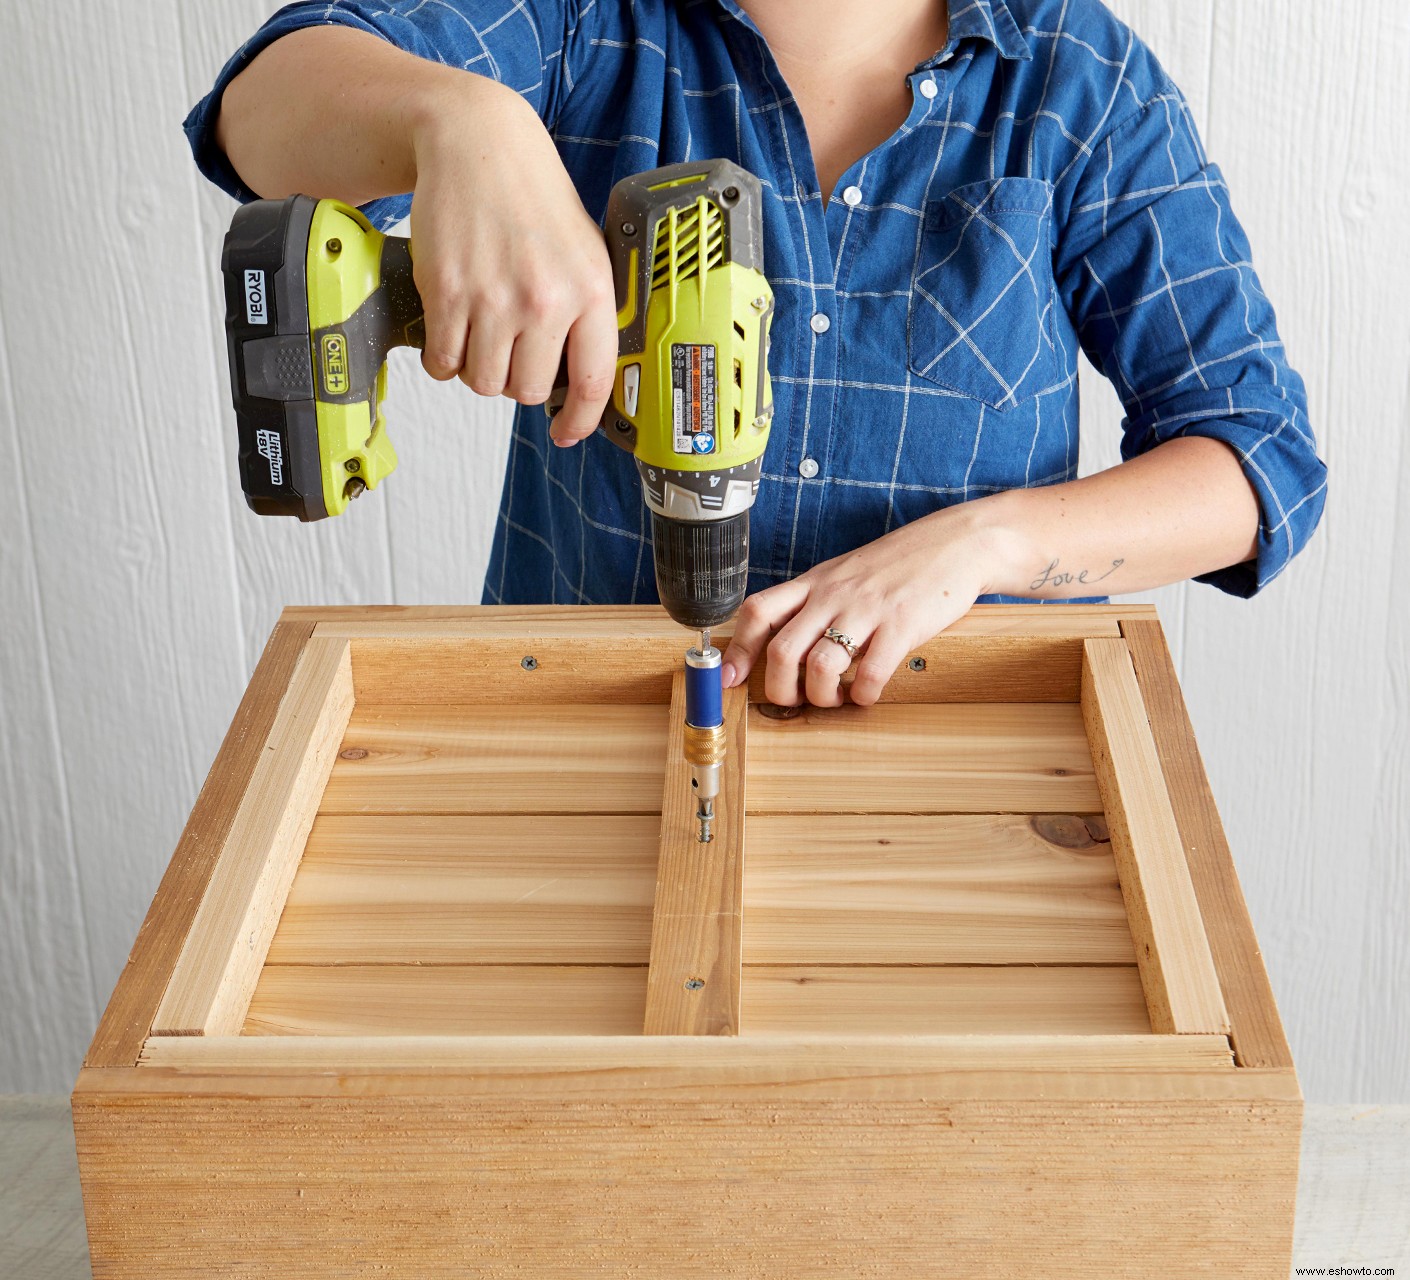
(916,664)
(694,984)
(529,662)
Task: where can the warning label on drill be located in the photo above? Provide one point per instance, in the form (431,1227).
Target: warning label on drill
(693,396)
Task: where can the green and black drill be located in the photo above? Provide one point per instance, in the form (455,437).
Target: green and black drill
(315,298)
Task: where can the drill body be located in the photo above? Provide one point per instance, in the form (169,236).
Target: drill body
(316,298)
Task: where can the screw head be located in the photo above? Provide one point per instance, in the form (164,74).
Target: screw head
(335,246)
(529,662)
(629,228)
(352,464)
(694,984)
(916,664)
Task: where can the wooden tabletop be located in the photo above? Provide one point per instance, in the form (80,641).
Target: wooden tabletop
(1353,1198)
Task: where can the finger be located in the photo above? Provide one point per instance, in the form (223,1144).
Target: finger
(487,352)
(533,364)
(592,370)
(788,652)
(826,662)
(447,312)
(884,653)
(759,617)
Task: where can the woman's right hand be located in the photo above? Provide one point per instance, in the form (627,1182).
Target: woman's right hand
(511,269)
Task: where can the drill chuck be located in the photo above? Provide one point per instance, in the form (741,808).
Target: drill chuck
(702,567)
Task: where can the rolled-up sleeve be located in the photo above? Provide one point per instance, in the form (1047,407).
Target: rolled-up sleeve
(1157,275)
(522,45)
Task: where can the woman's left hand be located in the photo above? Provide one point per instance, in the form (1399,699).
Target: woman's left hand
(888,596)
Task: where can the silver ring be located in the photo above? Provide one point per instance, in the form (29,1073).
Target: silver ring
(842,638)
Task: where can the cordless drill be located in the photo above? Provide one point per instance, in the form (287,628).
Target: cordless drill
(315,298)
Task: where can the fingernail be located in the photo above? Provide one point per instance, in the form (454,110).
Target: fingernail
(727,675)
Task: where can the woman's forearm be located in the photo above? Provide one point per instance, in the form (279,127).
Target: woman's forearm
(1183,509)
(329,111)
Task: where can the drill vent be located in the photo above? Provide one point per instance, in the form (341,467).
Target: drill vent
(678,238)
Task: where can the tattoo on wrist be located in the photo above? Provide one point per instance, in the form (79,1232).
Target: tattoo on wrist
(1052,576)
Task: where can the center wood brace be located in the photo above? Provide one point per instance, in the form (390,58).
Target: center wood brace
(692,986)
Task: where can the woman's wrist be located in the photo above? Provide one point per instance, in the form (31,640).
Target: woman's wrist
(996,541)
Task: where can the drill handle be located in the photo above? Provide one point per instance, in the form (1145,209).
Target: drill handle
(401,301)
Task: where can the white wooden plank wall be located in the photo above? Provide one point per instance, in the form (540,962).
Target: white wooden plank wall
(137,590)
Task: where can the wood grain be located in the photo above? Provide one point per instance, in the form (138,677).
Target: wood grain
(130,1013)
(950,889)
(790,1000)
(1069,621)
(655,1067)
(471,889)
(1009,1000)
(518,759)
(216,973)
(1255,1028)
(693,984)
(921,759)
(700,1185)
(448,1000)
(1177,970)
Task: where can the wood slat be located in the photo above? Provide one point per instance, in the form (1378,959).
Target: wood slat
(516,759)
(693,985)
(943,1000)
(952,889)
(128,1019)
(1000,758)
(563,670)
(437,889)
(567,621)
(216,973)
(639,1067)
(1257,1031)
(476,1000)
(448,1000)
(1177,970)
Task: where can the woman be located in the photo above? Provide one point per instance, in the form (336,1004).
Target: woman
(958,199)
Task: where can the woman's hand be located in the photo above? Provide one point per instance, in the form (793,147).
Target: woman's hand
(513,272)
(889,596)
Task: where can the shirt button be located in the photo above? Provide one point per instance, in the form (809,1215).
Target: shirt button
(852,197)
(819,323)
(808,468)
(928,88)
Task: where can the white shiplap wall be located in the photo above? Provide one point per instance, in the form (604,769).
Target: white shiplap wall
(137,591)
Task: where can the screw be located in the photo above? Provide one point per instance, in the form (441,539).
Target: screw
(629,228)
(774,712)
(529,662)
(353,489)
(352,464)
(730,194)
(694,984)
(916,664)
(335,246)
(760,303)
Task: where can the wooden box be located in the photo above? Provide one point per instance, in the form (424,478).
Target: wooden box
(439,983)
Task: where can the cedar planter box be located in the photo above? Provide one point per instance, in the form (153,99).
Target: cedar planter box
(439,983)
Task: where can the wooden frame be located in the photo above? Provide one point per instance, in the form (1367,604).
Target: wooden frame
(789,1127)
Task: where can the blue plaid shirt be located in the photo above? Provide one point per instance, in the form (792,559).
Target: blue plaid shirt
(1048,194)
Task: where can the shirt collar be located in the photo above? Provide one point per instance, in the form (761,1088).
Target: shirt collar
(989,20)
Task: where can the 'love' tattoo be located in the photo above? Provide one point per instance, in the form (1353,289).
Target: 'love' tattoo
(1053,576)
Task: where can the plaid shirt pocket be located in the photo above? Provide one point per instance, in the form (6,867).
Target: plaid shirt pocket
(983,297)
